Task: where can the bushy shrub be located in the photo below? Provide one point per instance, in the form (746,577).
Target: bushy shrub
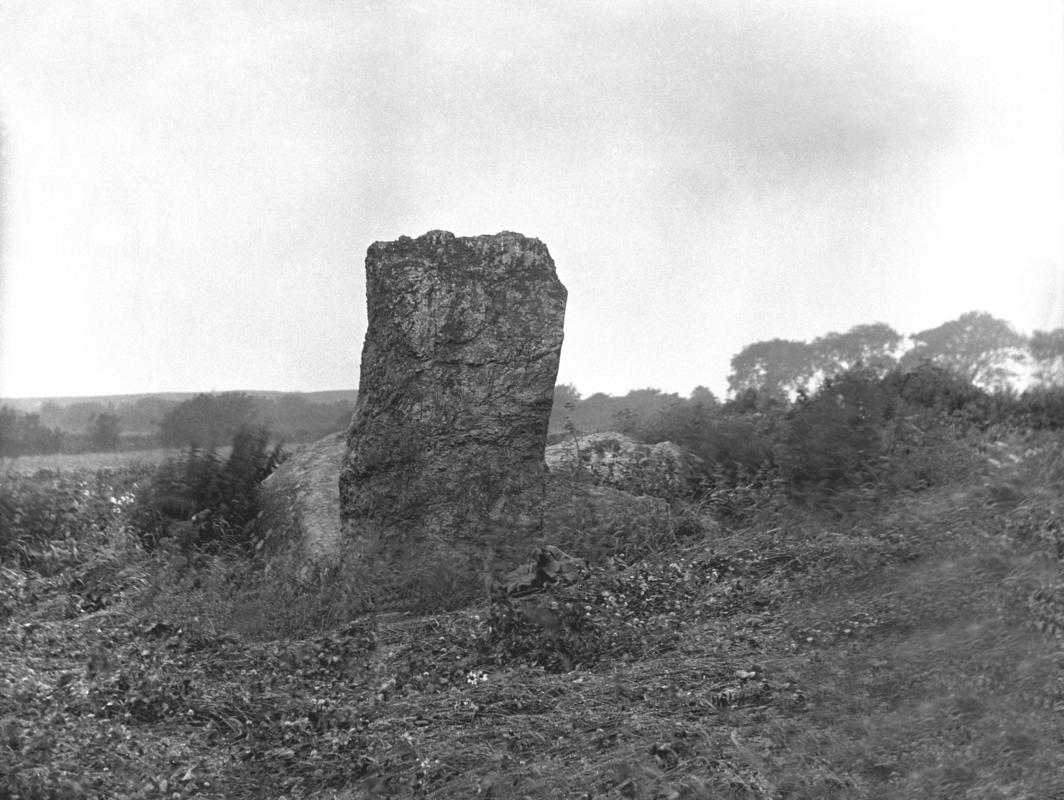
(861,434)
(208,420)
(967,406)
(935,387)
(731,443)
(733,470)
(43,515)
(202,502)
(1043,407)
(834,439)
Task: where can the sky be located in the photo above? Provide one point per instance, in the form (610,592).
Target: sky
(190,186)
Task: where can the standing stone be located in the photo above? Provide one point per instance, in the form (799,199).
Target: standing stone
(444,464)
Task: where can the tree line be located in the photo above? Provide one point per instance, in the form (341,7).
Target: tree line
(983,353)
(984,350)
(878,426)
(205,421)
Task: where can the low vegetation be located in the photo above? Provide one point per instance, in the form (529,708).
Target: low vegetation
(861,597)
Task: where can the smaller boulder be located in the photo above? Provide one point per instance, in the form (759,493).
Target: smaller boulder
(551,565)
(616,460)
(300,521)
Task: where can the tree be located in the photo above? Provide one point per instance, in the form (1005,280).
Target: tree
(637,412)
(977,346)
(145,413)
(104,432)
(594,413)
(1047,351)
(23,434)
(834,438)
(703,396)
(52,414)
(566,399)
(685,423)
(294,417)
(778,368)
(872,347)
(8,431)
(78,416)
(207,420)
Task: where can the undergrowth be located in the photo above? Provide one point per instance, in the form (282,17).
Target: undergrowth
(204,503)
(849,642)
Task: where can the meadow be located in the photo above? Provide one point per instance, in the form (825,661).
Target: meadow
(74,463)
(901,641)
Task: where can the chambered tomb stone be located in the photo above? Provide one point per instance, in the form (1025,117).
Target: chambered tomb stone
(444,464)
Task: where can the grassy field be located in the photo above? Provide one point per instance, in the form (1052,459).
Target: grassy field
(88,462)
(908,647)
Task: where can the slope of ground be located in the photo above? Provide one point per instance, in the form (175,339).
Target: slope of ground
(909,651)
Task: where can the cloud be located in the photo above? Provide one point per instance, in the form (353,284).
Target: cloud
(698,166)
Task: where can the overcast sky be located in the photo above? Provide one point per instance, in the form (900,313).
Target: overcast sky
(190,186)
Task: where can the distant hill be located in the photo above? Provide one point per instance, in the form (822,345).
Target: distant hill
(33,404)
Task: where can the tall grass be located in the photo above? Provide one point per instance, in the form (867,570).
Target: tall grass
(80,462)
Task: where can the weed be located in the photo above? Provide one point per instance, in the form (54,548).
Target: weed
(204,502)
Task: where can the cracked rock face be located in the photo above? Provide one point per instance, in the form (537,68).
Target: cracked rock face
(458,369)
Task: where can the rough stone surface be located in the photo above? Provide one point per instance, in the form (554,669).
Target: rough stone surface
(445,450)
(301,520)
(614,459)
(301,507)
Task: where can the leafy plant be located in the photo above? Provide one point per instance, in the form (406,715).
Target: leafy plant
(44,515)
(202,502)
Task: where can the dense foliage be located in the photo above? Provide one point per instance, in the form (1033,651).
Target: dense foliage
(863,432)
(21,434)
(204,501)
(970,361)
(152,422)
(207,420)
(44,514)
(104,432)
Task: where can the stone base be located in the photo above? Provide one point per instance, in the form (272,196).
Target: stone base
(303,541)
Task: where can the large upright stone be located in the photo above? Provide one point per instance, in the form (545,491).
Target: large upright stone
(444,457)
